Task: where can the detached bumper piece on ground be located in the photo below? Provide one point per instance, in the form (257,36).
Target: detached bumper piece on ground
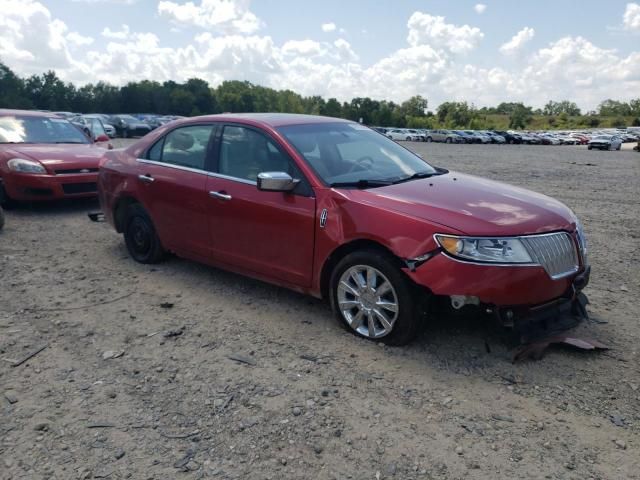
(553,323)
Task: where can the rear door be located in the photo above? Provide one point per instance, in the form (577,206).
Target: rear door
(270,233)
(172,179)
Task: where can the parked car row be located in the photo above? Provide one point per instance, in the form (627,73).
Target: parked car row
(120,125)
(319,205)
(611,139)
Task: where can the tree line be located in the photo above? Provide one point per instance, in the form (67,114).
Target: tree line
(196,97)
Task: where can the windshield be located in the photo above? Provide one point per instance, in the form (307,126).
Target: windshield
(348,152)
(95,127)
(27,129)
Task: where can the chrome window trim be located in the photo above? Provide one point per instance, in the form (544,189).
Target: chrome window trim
(196,170)
(234,179)
(516,237)
(171,165)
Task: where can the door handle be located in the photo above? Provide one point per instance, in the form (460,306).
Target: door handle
(220,195)
(146,178)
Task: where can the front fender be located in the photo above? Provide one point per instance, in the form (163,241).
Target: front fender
(347,221)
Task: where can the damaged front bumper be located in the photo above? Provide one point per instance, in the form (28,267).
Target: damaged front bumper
(550,318)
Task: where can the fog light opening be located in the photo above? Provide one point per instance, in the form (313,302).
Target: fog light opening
(459,301)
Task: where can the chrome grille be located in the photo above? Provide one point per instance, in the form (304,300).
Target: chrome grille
(556,252)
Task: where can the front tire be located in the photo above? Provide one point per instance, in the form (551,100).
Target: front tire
(140,236)
(372,298)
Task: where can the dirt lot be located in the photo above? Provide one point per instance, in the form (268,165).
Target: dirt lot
(307,399)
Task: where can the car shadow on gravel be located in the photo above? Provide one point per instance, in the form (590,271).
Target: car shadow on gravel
(60,207)
(457,338)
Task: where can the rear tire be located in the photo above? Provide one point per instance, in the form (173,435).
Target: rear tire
(1,218)
(372,298)
(140,236)
(5,200)
(429,139)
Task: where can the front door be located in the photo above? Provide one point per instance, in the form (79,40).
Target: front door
(172,181)
(270,233)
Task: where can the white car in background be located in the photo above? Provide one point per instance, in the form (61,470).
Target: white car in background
(399,134)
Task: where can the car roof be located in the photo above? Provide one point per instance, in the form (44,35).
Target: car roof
(6,112)
(270,119)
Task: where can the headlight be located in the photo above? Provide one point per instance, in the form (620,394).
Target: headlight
(483,249)
(25,166)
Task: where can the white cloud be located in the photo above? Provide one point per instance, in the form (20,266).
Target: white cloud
(518,41)
(31,38)
(227,16)
(425,29)
(328,27)
(631,18)
(116,34)
(125,2)
(79,40)
(32,41)
(305,48)
(480,8)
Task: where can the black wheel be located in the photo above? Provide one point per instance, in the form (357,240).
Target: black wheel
(589,147)
(373,299)
(5,200)
(1,218)
(140,236)
(448,140)
(619,147)
(429,139)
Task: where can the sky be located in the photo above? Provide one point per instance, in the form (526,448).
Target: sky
(484,53)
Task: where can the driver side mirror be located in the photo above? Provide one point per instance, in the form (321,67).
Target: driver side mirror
(276,182)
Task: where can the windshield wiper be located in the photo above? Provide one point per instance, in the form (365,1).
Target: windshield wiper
(417,176)
(363,183)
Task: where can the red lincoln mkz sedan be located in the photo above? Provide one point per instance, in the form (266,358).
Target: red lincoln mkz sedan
(44,157)
(331,208)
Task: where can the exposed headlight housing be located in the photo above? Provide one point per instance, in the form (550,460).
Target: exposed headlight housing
(502,250)
(25,166)
(582,241)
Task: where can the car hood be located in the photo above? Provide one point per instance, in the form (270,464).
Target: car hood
(472,205)
(61,156)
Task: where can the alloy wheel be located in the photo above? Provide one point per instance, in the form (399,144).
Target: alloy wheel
(368,301)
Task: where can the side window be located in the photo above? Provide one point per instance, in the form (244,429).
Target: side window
(244,153)
(184,147)
(155,152)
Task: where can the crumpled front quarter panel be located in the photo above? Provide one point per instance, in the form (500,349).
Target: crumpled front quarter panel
(347,221)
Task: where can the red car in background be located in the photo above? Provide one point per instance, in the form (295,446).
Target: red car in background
(336,210)
(45,157)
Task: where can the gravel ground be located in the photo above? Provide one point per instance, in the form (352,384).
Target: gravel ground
(186,371)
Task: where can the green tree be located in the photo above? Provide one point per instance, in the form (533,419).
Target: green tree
(12,91)
(182,102)
(612,108)
(332,108)
(416,106)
